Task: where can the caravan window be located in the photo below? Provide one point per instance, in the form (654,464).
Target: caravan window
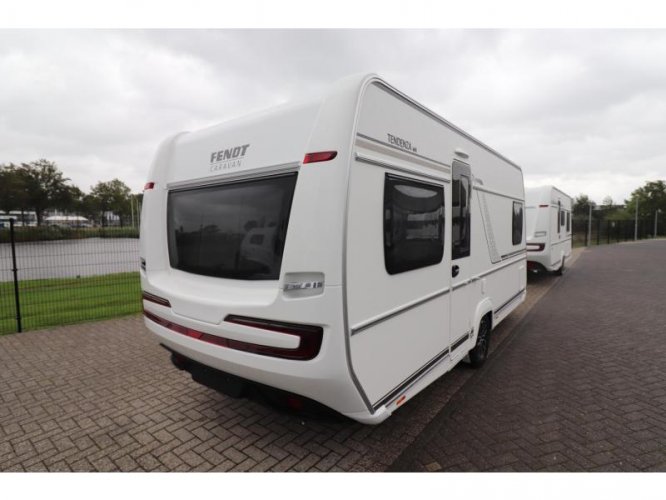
(413,224)
(568,221)
(560,221)
(517,223)
(235,230)
(460,199)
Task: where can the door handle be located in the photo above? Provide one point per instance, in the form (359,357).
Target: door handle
(455,270)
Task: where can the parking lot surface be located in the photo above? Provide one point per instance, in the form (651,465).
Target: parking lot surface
(579,386)
(104,397)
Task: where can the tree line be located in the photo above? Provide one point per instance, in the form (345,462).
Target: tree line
(650,198)
(39,186)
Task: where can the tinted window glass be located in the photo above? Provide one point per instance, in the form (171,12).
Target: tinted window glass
(460,217)
(517,223)
(234,230)
(413,224)
(568,221)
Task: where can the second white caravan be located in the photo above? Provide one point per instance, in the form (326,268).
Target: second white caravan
(350,249)
(548,220)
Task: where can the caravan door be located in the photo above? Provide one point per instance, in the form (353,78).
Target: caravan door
(397,276)
(462,290)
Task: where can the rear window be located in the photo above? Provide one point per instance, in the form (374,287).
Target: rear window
(234,230)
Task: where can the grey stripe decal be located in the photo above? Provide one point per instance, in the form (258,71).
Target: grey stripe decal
(382,163)
(506,264)
(386,316)
(367,137)
(497,193)
(460,341)
(345,308)
(483,275)
(488,228)
(412,379)
(513,254)
(496,311)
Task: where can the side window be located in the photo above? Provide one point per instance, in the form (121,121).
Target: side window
(568,222)
(517,223)
(460,216)
(413,224)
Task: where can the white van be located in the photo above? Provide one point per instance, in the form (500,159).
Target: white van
(349,249)
(548,219)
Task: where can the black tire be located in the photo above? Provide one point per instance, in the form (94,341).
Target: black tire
(479,353)
(560,271)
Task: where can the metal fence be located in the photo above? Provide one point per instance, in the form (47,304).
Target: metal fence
(56,276)
(602,232)
(85,274)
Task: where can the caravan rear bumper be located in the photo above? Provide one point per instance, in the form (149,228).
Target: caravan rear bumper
(323,379)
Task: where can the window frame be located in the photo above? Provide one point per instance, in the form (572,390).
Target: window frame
(513,222)
(391,266)
(458,171)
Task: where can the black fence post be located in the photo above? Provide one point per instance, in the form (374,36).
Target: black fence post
(598,230)
(15,272)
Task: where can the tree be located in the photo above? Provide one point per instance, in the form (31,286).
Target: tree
(581,205)
(45,186)
(650,197)
(608,209)
(112,196)
(13,189)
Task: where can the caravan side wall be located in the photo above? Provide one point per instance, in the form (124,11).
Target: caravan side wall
(409,327)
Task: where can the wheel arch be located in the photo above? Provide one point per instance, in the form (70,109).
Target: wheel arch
(482,309)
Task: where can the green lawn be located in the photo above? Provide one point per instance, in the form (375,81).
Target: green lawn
(54,302)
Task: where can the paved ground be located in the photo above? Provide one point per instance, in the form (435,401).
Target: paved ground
(580,386)
(103,396)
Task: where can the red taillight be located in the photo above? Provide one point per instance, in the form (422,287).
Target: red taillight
(308,348)
(149,185)
(544,206)
(154,298)
(310,336)
(535,247)
(320,156)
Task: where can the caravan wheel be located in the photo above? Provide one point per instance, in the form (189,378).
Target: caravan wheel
(560,271)
(479,354)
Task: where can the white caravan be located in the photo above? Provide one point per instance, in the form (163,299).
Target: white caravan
(349,249)
(548,220)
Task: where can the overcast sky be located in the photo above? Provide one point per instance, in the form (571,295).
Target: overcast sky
(584,110)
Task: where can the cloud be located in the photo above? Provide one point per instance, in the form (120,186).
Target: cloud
(585,110)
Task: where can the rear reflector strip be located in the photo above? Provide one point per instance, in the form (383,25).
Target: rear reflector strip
(320,156)
(535,247)
(154,298)
(308,348)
